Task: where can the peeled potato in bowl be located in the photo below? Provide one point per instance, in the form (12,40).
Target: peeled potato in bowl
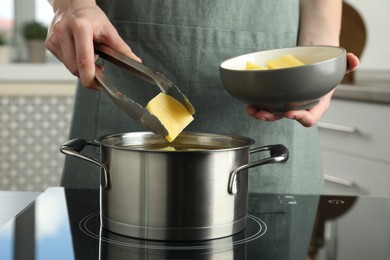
(289,88)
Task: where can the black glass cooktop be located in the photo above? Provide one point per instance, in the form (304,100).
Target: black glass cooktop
(64,224)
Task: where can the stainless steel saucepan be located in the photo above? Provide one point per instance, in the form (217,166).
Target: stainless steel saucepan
(194,188)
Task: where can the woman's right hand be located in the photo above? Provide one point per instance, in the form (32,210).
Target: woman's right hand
(75,27)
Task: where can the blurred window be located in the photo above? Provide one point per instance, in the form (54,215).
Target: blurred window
(13,14)
(7,18)
(43,11)
(43,14)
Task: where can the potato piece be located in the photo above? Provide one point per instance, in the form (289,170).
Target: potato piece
(285,61)
(252,66)
(171,113)
(168,148)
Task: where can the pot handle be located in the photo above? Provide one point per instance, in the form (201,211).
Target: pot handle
(278,153)
(75,146)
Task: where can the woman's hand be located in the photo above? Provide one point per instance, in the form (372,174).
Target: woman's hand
(75,27)
(320,24)
(309,116)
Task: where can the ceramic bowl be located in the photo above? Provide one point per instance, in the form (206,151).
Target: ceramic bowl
(281,90)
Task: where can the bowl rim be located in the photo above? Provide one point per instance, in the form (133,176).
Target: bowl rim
(343,52)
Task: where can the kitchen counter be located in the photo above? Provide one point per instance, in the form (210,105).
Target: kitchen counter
(13,202)
(374,94)
(46,79)
(35,72)
(368,86)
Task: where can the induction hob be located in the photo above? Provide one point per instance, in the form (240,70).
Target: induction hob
(65,224)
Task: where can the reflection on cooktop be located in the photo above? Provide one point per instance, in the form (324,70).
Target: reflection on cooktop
(90,225)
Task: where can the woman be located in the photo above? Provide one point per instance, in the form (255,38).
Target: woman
(186,41)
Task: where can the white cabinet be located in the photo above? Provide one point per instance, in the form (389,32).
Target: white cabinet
(355,147)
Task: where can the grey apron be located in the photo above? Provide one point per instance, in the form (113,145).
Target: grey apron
(186,41)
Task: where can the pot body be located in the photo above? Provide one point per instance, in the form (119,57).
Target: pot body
(174,195)
(197,190)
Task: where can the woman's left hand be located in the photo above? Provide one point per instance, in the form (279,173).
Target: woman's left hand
(309,116)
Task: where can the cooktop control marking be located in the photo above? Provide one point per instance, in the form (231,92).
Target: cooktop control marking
(287,199)
(337,202)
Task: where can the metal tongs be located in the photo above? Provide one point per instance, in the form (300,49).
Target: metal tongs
(133,109)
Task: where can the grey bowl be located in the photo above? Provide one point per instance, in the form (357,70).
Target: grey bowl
(281,90)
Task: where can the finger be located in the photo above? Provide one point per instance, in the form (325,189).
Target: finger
(64,52)
(262,114)
(267,116)
(307,117)
(113,40)
(304,117)
(125,49)
(69,54)
(251,110)
(85,56)
(352,62)
(51,44)
(60,42)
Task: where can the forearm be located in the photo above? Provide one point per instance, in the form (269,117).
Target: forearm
(320,22)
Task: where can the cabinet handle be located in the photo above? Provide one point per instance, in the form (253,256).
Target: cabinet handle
(338,180)
(337,127)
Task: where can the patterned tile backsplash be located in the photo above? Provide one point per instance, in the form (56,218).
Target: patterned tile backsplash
(31,130)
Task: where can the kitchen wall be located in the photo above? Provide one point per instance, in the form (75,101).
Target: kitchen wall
(377,19)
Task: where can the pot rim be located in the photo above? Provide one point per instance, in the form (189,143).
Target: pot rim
(135,141)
